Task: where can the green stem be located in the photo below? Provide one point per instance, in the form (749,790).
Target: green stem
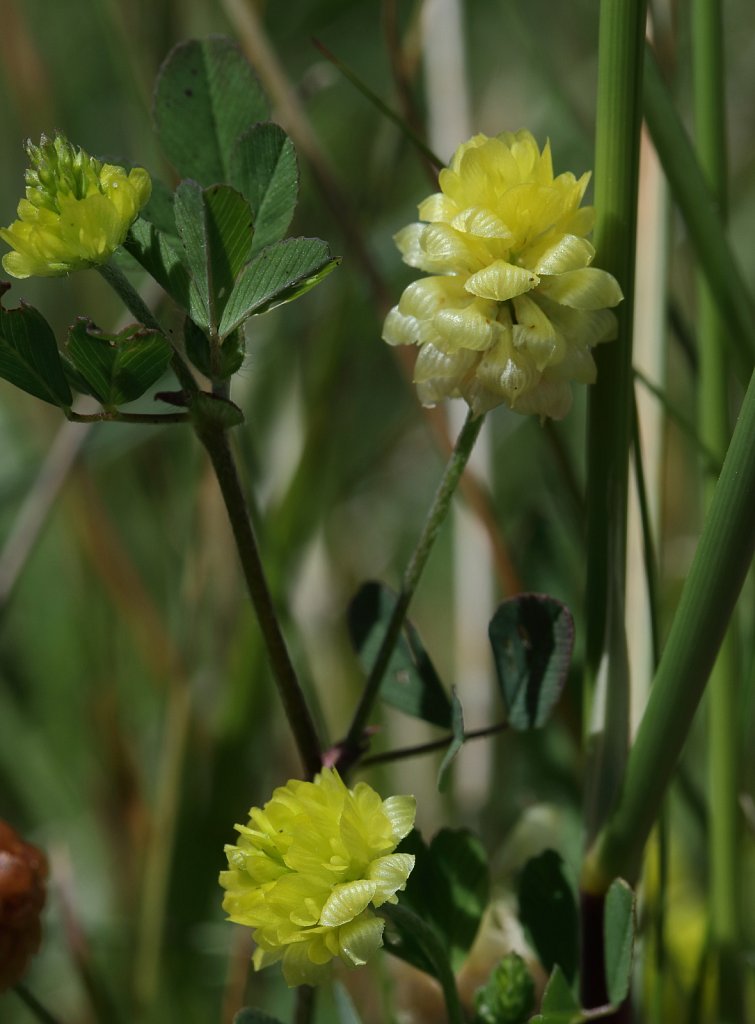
(297,712)
(116,416)
(617,147)
(701,216)
(713,416)
(32,1003)
(710,591)
(134,302)
(433,522)
(429,748)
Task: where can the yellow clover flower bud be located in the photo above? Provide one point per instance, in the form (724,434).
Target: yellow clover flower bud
(308,869)
(513,307)
(76,213)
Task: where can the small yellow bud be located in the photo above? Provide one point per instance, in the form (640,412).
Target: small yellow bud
(513,307)
(76,213)
(308,869)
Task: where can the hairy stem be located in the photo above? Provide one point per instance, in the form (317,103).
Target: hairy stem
(433,522)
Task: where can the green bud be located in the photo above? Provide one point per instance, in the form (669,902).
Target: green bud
(508,997)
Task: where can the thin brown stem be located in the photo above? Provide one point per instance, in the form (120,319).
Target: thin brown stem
(297,711)
(428,748)
(115,416)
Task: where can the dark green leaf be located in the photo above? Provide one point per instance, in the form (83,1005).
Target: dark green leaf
(618,924)
(427,938)
(463,864)
(212,409)
(215,227)
(410,682)
(161,258)
(29,356)
(263,168)
(532,637)
(449,887)
(206,95)
(278,274)
(117,368)
(547,909)
(251,1016)
(457,727)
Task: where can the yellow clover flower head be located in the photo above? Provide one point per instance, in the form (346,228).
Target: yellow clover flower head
(76,213)
(513,307)
(309,868)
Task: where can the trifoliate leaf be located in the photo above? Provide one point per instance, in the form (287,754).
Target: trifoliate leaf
(206,95)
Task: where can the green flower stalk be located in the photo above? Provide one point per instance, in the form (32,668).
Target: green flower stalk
(76,213)
(308,870)
(513,308)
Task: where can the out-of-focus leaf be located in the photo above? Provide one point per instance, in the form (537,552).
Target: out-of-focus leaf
(618,925)
(263,168)
(508,996)
(457,727)
(215,226)
(278,274)
(410,683)
(559,1005)
(532,636)
(548,910)
(449,887)
(205,96)
(117,368)
(29,356)
(431,942)
(252,1016)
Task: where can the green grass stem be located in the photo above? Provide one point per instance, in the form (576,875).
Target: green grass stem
(701,214)
(617,148)
(715,578)
(713,417)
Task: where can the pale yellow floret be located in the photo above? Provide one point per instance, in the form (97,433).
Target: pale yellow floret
(514,306)
(310,868)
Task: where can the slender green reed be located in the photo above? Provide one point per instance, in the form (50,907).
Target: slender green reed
(713,417)
(617,146)
(701,216)
(715,578)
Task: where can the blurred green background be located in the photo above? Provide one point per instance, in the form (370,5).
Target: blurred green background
(137,718)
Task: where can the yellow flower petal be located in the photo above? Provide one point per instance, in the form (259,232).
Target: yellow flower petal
(568,253)
(360,939)
(346,902)
(583,289)
(501,281)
